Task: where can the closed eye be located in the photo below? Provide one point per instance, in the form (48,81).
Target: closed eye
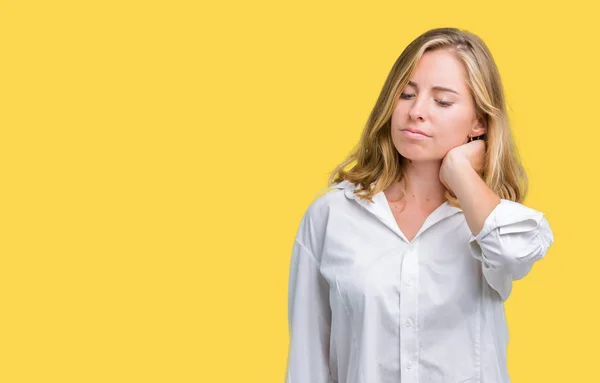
(444,104)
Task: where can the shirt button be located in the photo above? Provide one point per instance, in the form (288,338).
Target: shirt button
(409,283)
(408,366)
(408,323)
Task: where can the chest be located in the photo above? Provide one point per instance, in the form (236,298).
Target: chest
(409,220)
(361,245)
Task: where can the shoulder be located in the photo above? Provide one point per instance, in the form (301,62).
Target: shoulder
(313,224)
(336,198)
(318,211)
(325,199)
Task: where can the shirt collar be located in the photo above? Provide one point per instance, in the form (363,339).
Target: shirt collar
(380,208)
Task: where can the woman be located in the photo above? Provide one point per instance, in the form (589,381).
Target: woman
(400,273)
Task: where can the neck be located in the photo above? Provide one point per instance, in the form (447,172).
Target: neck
(422,181)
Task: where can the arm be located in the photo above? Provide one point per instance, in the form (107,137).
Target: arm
(476,199)
(309,317)
(507,237)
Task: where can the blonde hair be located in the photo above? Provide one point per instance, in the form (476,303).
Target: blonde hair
(376,160)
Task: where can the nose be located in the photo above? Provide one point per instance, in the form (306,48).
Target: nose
(417,109)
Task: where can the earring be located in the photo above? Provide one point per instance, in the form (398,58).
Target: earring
(471,140)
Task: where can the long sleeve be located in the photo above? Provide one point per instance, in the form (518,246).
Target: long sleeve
(513,237)
(309,317)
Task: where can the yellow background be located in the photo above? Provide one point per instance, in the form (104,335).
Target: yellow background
(157,156)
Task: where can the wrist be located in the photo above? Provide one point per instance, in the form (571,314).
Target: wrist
(456,167)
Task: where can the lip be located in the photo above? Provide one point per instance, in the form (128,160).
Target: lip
(413,133)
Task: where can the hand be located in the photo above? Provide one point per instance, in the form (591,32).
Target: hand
(470,154)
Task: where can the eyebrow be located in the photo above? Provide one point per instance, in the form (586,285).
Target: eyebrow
(435,88)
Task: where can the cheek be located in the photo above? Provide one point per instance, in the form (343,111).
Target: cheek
(400,113)
(451,137)
(453,128)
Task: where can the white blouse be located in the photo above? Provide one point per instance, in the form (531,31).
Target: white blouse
(368,306)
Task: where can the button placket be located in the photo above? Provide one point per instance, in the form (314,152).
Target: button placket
(408,315)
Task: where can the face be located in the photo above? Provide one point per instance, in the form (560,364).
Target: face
(438,103)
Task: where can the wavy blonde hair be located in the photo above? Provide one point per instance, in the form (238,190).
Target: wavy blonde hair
(376,159)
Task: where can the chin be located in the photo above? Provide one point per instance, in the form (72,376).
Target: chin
(418,154)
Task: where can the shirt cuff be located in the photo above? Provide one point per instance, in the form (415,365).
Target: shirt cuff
(509,217)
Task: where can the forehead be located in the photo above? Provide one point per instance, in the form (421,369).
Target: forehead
(440,68)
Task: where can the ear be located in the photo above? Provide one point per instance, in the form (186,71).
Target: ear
(480,128)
